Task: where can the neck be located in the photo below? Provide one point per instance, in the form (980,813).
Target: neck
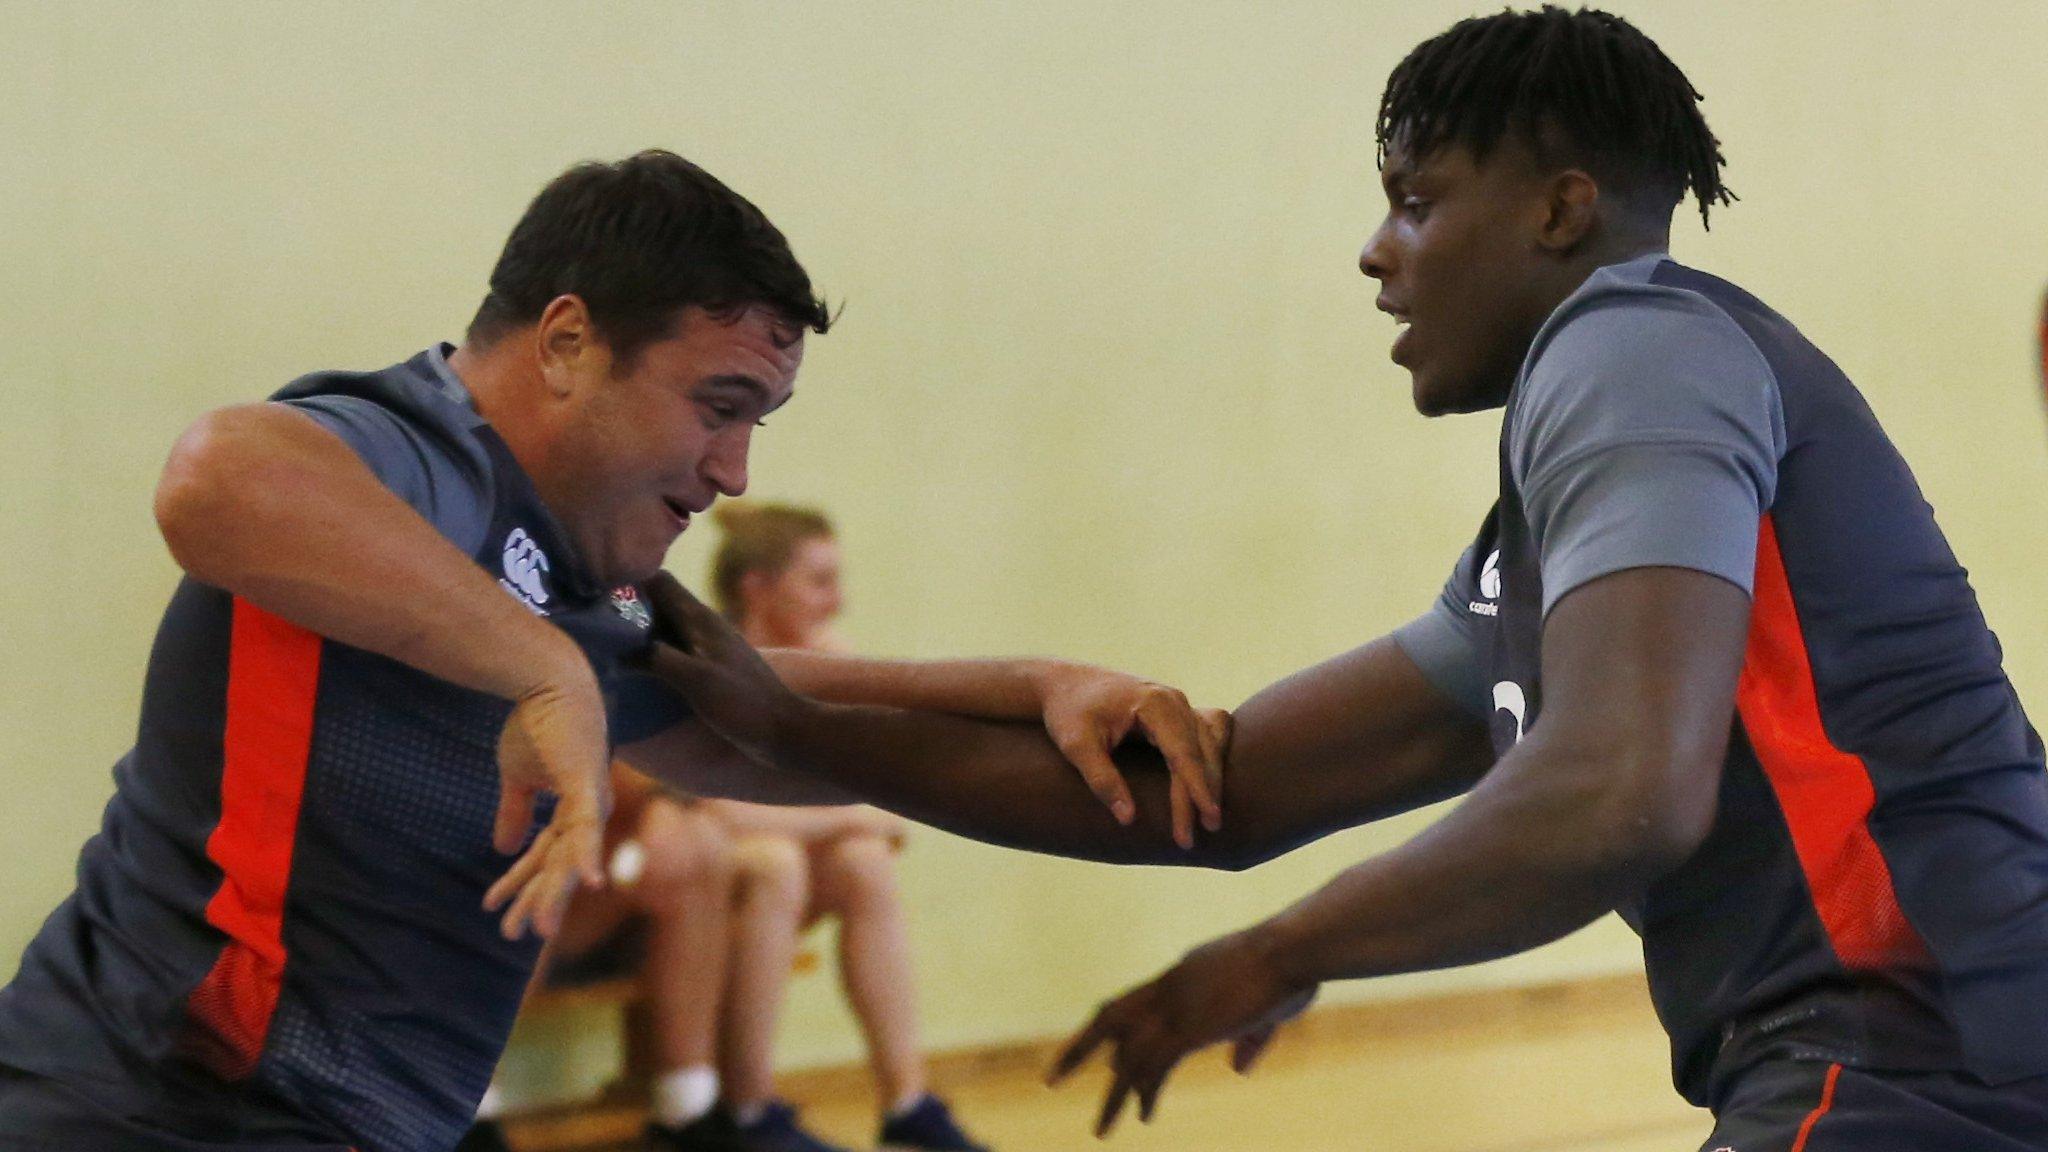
(504,384)
(1569,273)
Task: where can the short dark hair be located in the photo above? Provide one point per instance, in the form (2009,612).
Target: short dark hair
(1585,88)
(639,240)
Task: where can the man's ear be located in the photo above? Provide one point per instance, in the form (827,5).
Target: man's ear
(1572,210)
(568,345)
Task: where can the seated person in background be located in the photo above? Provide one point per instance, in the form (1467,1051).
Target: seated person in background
(776,575)
(670,867)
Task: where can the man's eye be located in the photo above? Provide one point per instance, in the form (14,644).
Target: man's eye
(1415,206)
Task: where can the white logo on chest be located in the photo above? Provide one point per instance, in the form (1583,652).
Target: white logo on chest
(1489,587)
(526,571)
(1508,697)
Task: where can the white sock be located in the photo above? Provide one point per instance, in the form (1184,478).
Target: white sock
(683,1094)
(492,1105)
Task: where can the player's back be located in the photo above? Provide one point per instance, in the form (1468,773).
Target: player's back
(1875,888)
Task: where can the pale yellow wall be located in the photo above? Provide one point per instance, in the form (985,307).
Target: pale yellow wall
(1108,383)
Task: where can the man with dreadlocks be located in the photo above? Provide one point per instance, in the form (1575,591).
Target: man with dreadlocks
(1709,663)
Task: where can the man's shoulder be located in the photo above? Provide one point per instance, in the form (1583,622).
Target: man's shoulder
(1641,356)
(414,425)
(1619,307)
(1642,342)
(421,390)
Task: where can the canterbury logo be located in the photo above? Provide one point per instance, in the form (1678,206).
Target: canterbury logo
(526,570)
(1508,697)
(1489,587)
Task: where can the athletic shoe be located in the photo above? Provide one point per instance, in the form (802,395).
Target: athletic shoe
(778,1131)
(484,1136)
(714,1131)
(928,1127)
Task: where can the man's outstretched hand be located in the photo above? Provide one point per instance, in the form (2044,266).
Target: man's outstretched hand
(554,741)
(1090,710)
(1226,990)
(729,687)
(1087,711)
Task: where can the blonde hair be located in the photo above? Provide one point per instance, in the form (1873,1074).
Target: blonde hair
(759,537)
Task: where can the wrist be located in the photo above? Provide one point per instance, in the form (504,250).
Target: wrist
(1046,676)
(557,666)
(1280,949)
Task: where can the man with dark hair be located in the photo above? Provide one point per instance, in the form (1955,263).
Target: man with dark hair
(1709,663)
(408,613)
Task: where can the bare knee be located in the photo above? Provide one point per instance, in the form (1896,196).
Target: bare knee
(856,874)
(687,856)
(772,872)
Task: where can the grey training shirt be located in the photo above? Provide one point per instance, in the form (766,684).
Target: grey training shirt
(1644,430)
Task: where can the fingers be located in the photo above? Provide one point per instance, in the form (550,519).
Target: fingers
(1215,726)
(1171,726)
(539,885)
(667,596)
(1183,810)
(684,621)
(578,822)
(1092,761)
(1143,1052)
(1144,1058)
(1112,1105)
(514,880)
(1085,1042)
(515,817)
(673,665)
(542,882)
(533,885)
(1247,1050)
(1148,1098)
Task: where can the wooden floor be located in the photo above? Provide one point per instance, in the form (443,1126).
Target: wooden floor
(1570,1068)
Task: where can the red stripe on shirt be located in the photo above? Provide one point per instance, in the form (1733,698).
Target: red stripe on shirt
(1825,793)
(273,674)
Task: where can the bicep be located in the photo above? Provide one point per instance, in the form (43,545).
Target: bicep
(1640,669)
(244,469)
(415,464)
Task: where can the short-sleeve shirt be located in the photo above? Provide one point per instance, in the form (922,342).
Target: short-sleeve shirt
(277,939)
(1874,889)
(1646,434)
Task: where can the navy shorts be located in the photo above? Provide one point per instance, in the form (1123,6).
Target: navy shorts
(1800,1106)
(41,1115)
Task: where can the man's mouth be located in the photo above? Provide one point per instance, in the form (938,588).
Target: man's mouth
(678,510)
(1403,329)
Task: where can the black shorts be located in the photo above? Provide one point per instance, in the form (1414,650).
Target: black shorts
(42,1115)
(1799,1106)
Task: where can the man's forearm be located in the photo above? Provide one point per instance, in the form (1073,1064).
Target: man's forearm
(807,824)
(990,689)
(1529,857)
(1000,782)
(263,502)
(1008,784)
